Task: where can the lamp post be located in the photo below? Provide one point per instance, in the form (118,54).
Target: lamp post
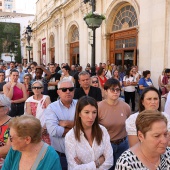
(93,21)
(28,36)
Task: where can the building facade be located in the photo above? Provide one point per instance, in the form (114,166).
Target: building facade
(134,32)
(7,6)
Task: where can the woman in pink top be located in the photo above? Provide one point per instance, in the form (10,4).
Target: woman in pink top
(16,92)
(36,104)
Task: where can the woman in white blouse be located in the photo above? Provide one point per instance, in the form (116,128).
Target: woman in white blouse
(87,145)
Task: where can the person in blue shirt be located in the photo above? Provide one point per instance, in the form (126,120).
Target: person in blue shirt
(145,81)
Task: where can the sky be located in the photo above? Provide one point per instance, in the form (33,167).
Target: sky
(26,6)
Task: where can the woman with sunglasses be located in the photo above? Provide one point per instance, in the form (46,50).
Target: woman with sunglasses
(28,151)
(113,113)
(94,81)
(5,106)
(36,104)
(16,92)
(87,144)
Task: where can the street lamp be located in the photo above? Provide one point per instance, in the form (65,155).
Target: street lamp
(93,21)
(28,35)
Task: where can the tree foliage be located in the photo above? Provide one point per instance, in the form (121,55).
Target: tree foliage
(10,35)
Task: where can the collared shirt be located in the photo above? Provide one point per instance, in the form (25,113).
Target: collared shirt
(86,153)
(55,112)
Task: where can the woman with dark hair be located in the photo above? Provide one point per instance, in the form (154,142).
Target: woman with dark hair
(151,151)
(113,113)
(65,73)
(129,83)
(102,79)
(2,82)
(145,81)
(27,83)
(88,145)
(16,92)
(150,99)
(116,76)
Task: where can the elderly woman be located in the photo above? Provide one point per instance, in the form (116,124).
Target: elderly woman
(28,151)
(94,81)
(36,104)
(151,151)
(17,93)
(5,106)
(150,99)
(88,143)
(113,113)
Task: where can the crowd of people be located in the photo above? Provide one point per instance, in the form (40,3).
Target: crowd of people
(107,117)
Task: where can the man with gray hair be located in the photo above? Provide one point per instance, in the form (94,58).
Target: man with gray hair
(5,106)
(86,88)
(59,117)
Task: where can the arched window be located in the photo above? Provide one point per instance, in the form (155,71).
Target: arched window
(125,18)
(75,35)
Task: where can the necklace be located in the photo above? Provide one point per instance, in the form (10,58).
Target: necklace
(153,163)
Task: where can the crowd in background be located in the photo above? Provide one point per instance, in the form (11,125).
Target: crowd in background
(86,115)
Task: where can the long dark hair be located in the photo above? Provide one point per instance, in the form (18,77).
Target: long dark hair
(96,130)
(147,89)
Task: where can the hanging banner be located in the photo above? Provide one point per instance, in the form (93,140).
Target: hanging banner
(44,51)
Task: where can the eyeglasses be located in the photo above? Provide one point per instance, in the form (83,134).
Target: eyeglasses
(2,106)
(65,89)
(115,90)
(38,87)
(94,82)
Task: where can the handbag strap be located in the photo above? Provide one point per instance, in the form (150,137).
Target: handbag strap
(39,157)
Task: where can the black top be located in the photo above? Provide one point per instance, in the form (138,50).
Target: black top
(1,85)
(94,92)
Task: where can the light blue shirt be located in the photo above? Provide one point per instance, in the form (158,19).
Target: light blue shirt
(55,112)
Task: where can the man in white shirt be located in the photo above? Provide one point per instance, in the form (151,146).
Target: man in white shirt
(59,117)
(11,66)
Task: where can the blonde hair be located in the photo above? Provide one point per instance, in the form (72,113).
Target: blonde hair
(27,125)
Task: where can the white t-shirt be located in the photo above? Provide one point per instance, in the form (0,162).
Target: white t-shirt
(131,126)
(129,88)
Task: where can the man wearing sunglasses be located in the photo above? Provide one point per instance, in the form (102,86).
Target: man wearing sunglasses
(59,117)
(86,88)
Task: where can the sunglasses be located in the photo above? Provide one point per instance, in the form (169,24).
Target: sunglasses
(95,82)
(65,89)
(38,87)
(115,90)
